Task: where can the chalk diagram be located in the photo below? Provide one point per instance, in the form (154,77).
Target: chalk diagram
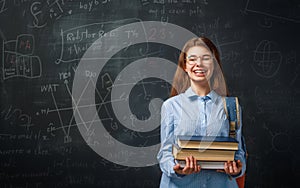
(18,58)
(77,40)
(264,9)
(66,127)
(94,132)
(86,109)
(267,59)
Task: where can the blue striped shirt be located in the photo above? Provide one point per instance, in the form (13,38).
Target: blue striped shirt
(190,114)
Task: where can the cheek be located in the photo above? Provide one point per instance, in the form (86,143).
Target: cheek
(187,69)
(210,72)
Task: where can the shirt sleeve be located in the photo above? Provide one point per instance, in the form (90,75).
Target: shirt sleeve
(241,153)
(165,157)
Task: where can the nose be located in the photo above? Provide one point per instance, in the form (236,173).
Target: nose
(198,61)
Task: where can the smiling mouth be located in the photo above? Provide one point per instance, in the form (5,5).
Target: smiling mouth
(200,71)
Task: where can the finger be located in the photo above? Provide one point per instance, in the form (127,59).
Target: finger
(198,168)
(191,159)
(187,170)
(191,165)
(230,168)
(239,164)
(176,167)
(187,162)
(195,165)
(187,166)
(235,169)
(226,167)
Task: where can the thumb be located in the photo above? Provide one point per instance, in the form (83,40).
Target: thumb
(239,164)
(176,167)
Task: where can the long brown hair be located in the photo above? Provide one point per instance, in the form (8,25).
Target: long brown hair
(181,80)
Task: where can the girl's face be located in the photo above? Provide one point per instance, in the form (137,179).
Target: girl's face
(199,64)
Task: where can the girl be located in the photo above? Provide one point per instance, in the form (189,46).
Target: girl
(196,108)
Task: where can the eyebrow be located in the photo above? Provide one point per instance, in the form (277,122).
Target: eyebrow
(193,55)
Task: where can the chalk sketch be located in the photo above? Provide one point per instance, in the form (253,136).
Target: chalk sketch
(2,6)
(267,59)
(59,110)
(281,140)
(144,156)
(258,7)
(41,16)
(18,59)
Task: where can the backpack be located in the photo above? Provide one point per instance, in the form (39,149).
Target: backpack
(231,107)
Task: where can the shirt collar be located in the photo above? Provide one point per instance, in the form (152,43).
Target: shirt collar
(192,95)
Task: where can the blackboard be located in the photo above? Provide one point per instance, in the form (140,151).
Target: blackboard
(49,86)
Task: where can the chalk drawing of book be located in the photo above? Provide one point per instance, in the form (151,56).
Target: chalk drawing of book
(18,59)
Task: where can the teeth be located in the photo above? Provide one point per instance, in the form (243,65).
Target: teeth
(200,71)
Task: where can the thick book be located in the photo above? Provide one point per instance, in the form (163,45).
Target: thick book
(207,142)
(205,164)
(203,154)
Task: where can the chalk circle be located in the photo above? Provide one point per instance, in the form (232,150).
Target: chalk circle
(84,89)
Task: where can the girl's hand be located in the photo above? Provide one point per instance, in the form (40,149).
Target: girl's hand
(232,167)
(190,167)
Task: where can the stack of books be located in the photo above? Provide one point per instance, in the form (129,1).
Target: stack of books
(210,152)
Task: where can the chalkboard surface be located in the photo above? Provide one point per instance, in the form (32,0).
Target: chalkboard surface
(63,59)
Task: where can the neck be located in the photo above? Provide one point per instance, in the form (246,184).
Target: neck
(200,89)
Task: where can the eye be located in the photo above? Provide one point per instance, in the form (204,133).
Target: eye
(192,58)
(206,57)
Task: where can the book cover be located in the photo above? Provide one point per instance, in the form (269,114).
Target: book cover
(205,164)
(207,142)
(203,154)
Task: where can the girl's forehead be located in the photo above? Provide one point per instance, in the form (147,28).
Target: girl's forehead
(198,50)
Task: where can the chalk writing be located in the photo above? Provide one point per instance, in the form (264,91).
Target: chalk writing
(75,41)
(90,4)
(41,16)
(43,41)
(175,8)
(16,116)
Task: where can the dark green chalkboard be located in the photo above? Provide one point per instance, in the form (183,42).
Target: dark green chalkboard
(44,42)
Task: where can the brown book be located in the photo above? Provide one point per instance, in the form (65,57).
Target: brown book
(205,164)
(207,142)
(203,154)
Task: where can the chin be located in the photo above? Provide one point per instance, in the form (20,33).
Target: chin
(199,80)
(195,77)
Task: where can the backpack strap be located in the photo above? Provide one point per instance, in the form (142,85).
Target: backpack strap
(231,107)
